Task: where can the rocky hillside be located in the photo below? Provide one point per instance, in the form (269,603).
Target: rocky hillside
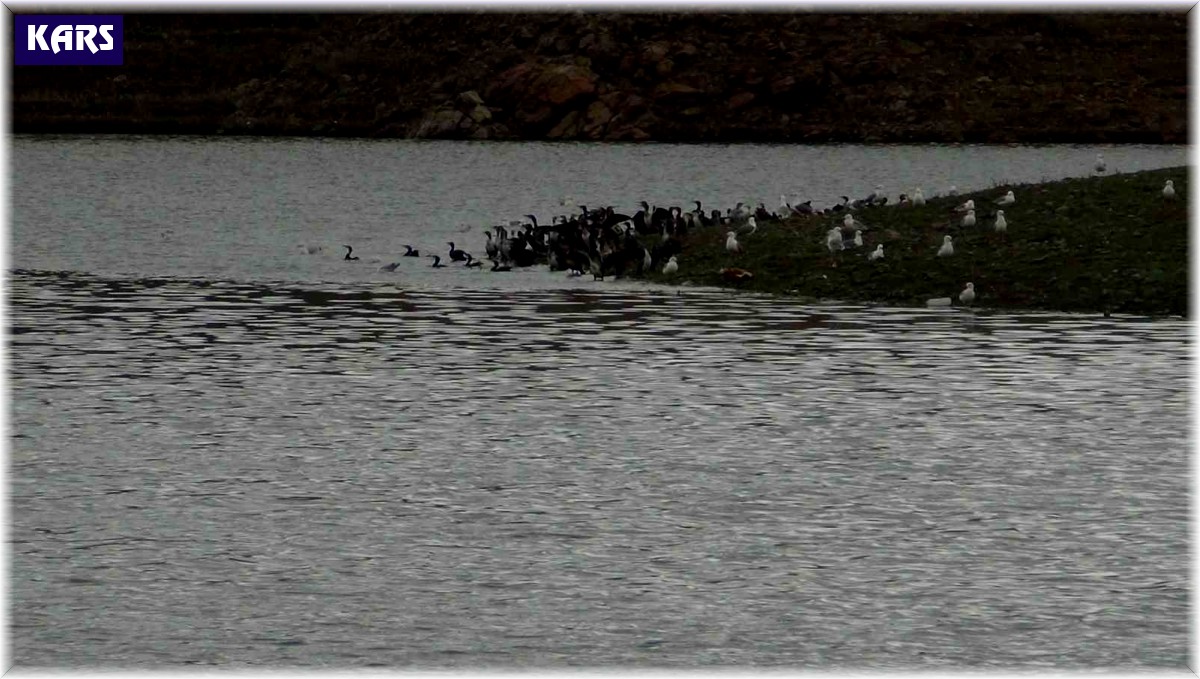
(637,76)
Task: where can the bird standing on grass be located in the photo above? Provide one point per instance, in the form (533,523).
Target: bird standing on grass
(833,240)
(969,219)
(1001,222)
(947,248)
(1007,199)
(671,266)
(877,253)
(968,294)
(1169,190)
(731,243)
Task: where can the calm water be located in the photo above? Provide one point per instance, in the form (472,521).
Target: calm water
(227,451)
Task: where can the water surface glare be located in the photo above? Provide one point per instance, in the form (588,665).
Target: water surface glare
(257,473)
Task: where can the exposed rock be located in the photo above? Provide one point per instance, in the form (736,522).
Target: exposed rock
(438,123)
(598,114)
(740,99)
(567,128)
(480,114)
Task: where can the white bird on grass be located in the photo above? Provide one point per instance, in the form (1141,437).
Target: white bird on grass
(785,210)
(947,248)
(968,294)
(1169,190)
(858,242)
(1001,222)
(671,266)
(731,243)
(918,197)
(969,219)
(966,207)
(953,191)
(833,240)
(1007,199)
(877,253)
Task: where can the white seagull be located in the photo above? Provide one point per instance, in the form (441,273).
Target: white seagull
(969,219)
(1007,199)
(1169,190)
(953,191)
(671,266)
(858,239)
(918,197)
(947,248)
(966,207)
(1001,222)
(785,210)
(833,240)
(731,243)
(1101,166)
(877,253)
(968,294)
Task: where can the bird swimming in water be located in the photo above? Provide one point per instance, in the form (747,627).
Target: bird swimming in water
(456,255)
(437,262)
(497,266)
(1169,190)
(348,251)
(877,253)
(473,263)
(390,267)
(671,266)
(968,294)
(731,243)
(1101,166)
(969,218)
(947,248)
(1007,199)
(1001,222)
(312,249)
(410,252)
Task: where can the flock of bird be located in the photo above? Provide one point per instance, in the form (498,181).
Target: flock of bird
(604,242)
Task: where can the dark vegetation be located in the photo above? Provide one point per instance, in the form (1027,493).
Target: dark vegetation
(703,76)
(1099,244)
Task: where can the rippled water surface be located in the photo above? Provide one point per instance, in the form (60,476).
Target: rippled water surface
(290,460)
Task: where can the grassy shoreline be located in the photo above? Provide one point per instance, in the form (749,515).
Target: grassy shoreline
(1098,244)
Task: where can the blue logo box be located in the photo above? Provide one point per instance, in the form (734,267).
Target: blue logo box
(68,40)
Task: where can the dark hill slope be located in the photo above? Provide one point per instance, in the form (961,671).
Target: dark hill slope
(995,77)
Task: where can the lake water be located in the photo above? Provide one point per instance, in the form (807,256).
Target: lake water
(226,451)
